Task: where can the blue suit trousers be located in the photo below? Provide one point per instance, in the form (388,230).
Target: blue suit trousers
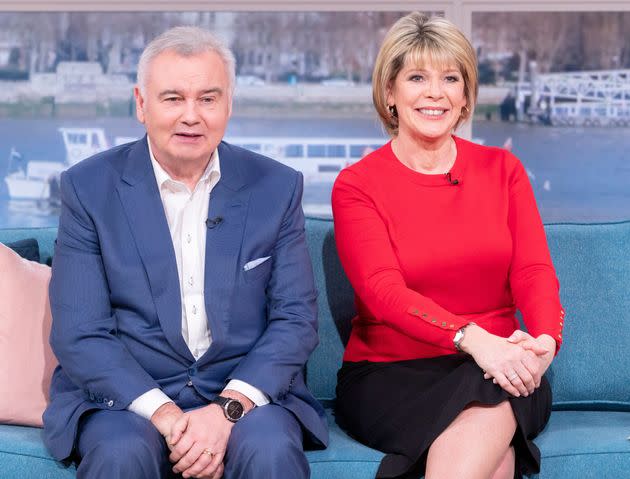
(265,444)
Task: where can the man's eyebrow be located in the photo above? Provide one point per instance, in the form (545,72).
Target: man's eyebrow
(209,91)
(169,92)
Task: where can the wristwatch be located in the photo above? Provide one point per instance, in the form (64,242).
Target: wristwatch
(459,336)
(232,408)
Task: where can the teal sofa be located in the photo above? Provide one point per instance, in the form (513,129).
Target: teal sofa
(588,434)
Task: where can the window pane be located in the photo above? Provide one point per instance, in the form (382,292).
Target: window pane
(336,151)
(66,93)
(555,88)
(316,151)
(356,151)
(294,151)
(251,147)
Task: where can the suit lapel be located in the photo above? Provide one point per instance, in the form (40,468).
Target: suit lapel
(229,200)
(141,202)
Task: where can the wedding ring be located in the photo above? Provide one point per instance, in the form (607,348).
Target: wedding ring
(208,452)
(513,377)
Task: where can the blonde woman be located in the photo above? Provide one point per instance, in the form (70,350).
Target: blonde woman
(442,242)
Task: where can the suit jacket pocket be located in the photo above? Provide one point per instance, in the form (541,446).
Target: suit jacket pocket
(257,273)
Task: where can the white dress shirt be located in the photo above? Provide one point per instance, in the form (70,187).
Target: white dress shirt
(186,212)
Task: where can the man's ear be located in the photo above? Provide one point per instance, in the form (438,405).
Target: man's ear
(139,104)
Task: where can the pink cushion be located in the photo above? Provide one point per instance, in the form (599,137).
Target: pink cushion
(26,360)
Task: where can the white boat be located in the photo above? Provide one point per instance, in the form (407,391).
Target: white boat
(32,180)
(319,159)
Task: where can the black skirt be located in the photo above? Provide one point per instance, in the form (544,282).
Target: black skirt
(401,407)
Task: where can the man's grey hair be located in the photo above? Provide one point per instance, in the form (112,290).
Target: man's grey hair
(186,41)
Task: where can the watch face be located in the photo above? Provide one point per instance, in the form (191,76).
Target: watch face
(234,410)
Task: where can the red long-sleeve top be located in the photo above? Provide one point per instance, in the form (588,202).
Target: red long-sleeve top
(426,256)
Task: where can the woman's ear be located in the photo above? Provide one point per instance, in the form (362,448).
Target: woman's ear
(389,94)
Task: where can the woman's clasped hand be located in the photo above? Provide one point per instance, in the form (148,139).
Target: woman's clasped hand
(517,363)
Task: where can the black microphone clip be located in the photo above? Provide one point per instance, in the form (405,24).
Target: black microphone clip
(451,181)
(213,222)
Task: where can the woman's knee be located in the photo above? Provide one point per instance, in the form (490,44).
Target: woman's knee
(507,465)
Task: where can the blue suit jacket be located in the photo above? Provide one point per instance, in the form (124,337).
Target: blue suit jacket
(115,294)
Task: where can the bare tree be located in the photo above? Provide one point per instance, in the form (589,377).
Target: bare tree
(557,41)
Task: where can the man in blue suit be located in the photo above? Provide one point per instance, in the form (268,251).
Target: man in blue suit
(182,292)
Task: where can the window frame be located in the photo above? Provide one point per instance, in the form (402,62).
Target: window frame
(459,12)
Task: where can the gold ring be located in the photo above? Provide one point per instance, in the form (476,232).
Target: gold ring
(208,452)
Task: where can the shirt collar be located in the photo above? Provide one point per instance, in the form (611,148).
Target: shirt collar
(213,169)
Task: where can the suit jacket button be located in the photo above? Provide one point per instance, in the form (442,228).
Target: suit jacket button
(189,383)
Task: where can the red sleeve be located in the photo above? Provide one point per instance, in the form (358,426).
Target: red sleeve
(366,254)
(532,277)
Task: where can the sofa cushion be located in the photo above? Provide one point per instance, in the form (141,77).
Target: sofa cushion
(344,456)
(593,266)
(23,455)
(25,321)
(335,309)
(26,248)
(592,442)
(585,444)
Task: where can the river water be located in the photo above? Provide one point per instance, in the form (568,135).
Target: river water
(578,174)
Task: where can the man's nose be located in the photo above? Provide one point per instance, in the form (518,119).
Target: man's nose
(190,115)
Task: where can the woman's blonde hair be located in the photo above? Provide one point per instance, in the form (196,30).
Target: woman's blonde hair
(421,40)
